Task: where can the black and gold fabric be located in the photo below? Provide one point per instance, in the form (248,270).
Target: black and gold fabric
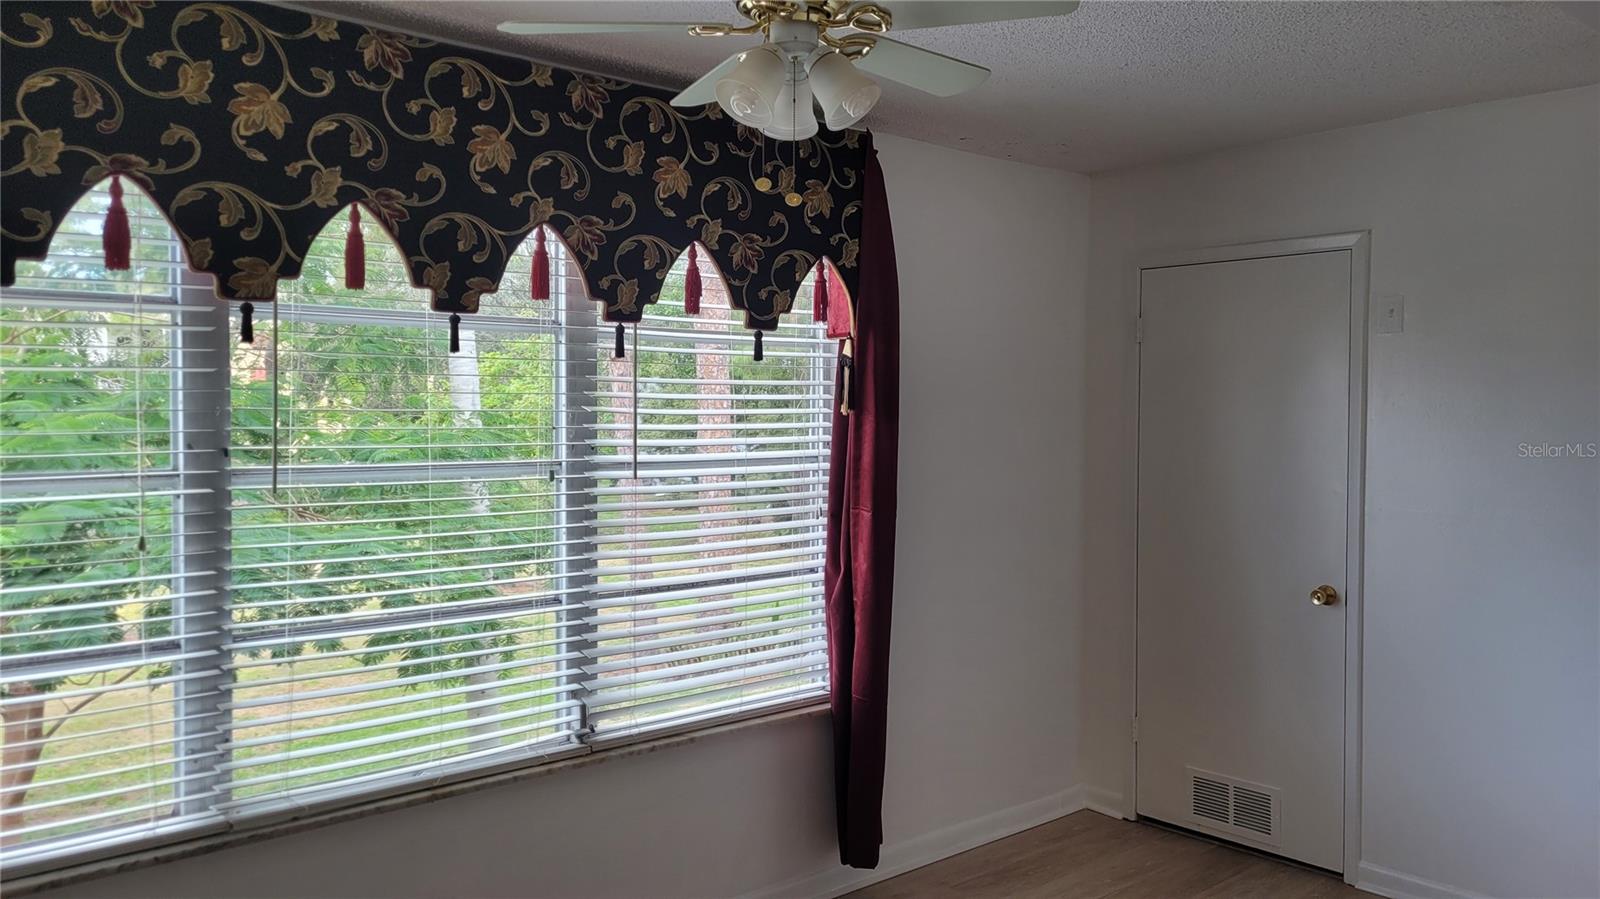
(252,125)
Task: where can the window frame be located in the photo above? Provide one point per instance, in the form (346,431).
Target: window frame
(202,547)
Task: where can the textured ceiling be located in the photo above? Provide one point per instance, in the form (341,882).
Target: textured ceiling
(1115,84)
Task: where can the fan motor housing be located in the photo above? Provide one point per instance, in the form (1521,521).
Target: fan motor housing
(797,40)
(816,11)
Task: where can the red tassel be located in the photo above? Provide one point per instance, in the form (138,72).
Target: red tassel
(819,296)
(541,269)
(355,252)
(691,284)
(116,240)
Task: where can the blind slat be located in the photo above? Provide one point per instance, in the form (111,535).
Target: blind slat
(626,639)
(624,613)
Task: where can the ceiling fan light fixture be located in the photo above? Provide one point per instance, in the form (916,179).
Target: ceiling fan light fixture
(793,118)
(845,94)
(750,92)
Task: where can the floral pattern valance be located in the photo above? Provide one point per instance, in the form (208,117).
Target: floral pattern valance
(251,126)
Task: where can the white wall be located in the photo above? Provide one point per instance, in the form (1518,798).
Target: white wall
(1482,637)
(982,718)
(1483,585)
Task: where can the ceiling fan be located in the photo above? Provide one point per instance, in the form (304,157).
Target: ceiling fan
(801,60)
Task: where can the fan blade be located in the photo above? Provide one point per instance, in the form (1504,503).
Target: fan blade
(925,70)
(938,13)
(592,27)
(704,90)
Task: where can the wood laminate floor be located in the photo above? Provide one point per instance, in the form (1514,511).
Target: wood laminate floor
(1090,856)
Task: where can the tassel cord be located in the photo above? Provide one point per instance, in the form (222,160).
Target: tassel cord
(819,296)
(847,365)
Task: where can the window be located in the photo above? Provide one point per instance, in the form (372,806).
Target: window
(708,479)
(342,560)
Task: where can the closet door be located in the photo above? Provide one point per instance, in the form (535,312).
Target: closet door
(1244,392)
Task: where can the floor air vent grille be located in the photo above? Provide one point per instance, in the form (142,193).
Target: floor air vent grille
(1234,806)
(1210,798)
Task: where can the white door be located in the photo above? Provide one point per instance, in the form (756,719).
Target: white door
(1243,478)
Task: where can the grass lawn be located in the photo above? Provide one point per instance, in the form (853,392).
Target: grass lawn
(116,753)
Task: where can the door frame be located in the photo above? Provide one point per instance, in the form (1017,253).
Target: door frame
(1359,245)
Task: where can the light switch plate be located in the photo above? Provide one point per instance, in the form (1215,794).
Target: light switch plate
(1390,312)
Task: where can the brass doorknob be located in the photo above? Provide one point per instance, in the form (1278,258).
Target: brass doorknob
(1324,596)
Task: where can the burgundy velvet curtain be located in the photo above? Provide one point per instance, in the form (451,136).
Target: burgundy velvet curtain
(861,513)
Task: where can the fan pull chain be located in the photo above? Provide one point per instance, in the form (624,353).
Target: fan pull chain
(793,197)
(763,183)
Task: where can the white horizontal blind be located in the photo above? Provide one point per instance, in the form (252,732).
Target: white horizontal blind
(395,607)
(342,560)
(708,518)
(107,599)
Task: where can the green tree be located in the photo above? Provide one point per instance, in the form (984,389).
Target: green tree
(80,393)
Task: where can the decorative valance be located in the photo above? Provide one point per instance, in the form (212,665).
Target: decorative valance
(251,126)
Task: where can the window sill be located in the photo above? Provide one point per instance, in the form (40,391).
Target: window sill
(72,873)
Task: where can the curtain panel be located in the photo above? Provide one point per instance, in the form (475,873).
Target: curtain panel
(858,578)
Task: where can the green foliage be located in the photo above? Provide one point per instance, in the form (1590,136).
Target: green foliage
(80,393)
(357,395)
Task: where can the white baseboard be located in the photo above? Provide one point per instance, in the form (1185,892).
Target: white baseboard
(929,848)
(1372,878)
(1106,802)
(1398,885)
(898,858)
